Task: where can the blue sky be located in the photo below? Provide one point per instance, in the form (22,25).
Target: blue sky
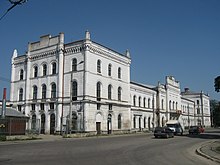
(165,37)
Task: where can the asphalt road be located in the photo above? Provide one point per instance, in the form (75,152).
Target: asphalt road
(116,150)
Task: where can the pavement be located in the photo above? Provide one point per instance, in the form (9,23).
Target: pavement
(209,150)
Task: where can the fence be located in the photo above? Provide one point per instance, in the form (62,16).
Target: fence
(13,126)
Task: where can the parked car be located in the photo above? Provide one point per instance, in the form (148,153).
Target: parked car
(196,130)
(165,132)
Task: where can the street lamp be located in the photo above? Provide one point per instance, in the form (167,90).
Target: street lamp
(71,100)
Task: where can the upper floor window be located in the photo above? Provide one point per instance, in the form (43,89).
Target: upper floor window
(144,102)
(44,69)
(74,64)
(21,74)
(109,70)
(53,90)
(74,91)
(148,103)
(98,91)
(119,73)
(109,92)
(34,92)
(139,101)
(170,102)
(20,94)
(162,102)
(54,68)
(44,91)
(134,100)
(99,66)
(35,71)
(119,93)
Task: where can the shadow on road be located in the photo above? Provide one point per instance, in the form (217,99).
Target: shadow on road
(205,136)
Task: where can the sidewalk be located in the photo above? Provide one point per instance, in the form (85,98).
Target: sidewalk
(209,150)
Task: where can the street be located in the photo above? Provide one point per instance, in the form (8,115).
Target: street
(121,150)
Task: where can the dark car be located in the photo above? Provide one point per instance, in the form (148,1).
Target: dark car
(165,132)
(195,130)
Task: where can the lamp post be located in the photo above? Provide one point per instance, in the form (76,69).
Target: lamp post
(71,99)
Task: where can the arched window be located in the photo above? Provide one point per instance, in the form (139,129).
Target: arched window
(98,91)
(74,64)
(34,92)
(162,102)
(109,92)
(139,101)
(176,105)
(134,122)
(44,69)
(20,94)
(144,102)
(173,105)
(134,100)
(44,91)
(21,74)
(33,122)
(109,70)
(99,66)
(170,102)
(119,121)
(74,91)
(119,93)
(119,73)
(35,71)
(54,68)
(148,103)
(53,90)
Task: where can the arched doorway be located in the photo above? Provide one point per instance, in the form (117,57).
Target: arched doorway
(109,124)
(98,123)
(42,130)
(52,123)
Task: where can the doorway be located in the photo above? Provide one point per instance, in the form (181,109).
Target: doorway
(98,128)
(42,131)
(52,123)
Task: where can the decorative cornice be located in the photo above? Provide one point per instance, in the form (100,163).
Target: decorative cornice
(44,54)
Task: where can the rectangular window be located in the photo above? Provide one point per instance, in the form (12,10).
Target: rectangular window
(98,106)
(110,107)
(51,105)
(42,106)
(33,107)
(19,108)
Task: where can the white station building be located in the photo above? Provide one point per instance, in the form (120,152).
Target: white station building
(84,86)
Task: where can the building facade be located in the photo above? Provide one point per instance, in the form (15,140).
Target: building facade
(84,86)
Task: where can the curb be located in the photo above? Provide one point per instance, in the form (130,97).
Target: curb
(199,152)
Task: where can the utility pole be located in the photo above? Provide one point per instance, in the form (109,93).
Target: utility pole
(4,104)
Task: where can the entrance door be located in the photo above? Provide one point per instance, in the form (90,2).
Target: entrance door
(98,128)
(52,123)
(42,131)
